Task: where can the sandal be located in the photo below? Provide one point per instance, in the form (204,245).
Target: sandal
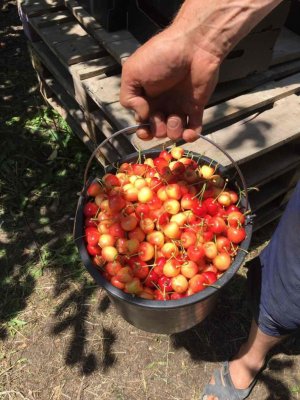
(224,389)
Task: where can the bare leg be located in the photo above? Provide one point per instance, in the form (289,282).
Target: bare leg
(250,358)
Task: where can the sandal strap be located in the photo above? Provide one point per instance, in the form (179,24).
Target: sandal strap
(223,388)
(239,393)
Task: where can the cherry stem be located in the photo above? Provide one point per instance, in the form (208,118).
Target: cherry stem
(223,189)
(211,285)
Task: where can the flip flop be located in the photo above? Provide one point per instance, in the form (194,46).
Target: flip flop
(224,389)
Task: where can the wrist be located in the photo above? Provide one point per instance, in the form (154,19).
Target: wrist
(200,38)
(216,27)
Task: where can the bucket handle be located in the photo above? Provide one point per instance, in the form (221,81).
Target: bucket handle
(131,129)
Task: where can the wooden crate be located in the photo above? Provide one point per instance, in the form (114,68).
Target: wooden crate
(255,119)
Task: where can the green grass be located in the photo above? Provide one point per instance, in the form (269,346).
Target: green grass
(42,164)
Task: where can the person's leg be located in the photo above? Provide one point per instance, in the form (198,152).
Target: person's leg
(251,356)
(277,309)
(250,359)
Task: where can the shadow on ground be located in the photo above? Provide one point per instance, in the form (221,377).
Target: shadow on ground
(219,337)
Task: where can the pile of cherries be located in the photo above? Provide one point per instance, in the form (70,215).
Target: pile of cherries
(163,228)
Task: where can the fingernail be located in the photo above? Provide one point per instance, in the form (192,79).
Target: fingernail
(173,123)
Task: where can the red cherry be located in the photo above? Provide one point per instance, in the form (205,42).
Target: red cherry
(111,180)
(116,203)
(165,155)
(236,235)
(177,296)
(140,169)
(155,184)
(90,209)
(116,230)
(92,236)
(196,252)
(161,296)
(140,269)
(164,284)
(199,208)
(90,222)
(151,280)
(94,250)
(232,208)
(94,189)
(160,163)
(142,210)
(210,276)
(155,203)
(160,262)
(211,206)
(178,168)
(198,283)
(217,225)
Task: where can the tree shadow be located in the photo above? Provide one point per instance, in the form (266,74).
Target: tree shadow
(42,163)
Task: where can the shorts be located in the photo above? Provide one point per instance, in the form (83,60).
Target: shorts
(274,283)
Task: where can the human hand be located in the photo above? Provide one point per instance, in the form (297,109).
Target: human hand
(168,81)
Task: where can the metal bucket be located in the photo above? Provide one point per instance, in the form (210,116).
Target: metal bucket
(169,316)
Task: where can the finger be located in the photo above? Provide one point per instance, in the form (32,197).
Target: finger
(194,128)
(144,134)
(158,125)
(175,127)
(131,96)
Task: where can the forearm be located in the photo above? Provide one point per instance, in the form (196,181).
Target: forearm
(218,25)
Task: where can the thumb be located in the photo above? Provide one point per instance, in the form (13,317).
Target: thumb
(131,96)
(194,127)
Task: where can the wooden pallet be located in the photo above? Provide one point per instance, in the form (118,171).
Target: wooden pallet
(255,119)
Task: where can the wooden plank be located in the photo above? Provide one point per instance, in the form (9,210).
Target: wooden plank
(82,15)
(69,42)
(228,90)
(78,49)
(274,189)
(121,50)
(54,66)
(38,7)
(245,141)
(252,101)
(287,47)
(95,67)
(260,170)
(119,44)
(271,211)
(106,91)
(54,18)
(121,143)
(58,33)
(265,218)
(105,37)
(76,113)
(120,116)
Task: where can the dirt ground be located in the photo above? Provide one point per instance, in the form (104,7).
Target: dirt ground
(60,336)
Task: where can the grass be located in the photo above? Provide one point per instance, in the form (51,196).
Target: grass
(41,172)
